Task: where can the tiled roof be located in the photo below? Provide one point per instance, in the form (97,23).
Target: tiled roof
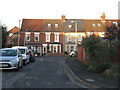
(14,30)
(36,25)
(92,25)
(83,25)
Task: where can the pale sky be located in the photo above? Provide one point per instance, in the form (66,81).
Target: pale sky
(11,11)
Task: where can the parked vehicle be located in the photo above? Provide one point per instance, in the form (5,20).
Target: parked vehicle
(72,54)
(36,53)
(25,54)
(10,59)
(32,56)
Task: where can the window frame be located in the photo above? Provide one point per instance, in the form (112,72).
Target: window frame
(36,34)
(47,37)
(56,37)
(27,34)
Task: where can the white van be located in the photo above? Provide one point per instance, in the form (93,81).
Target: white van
(25,54)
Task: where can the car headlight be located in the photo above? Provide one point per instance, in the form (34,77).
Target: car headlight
(12,60)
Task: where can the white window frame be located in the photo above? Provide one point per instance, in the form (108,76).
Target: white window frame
(56,25)
(27,34)
(56,37)
(93,24)
(47,37)
(99,25)
(68,37)
(36,34)
(70,26)
(49,25)
(80,36)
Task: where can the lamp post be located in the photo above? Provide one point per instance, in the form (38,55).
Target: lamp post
(25,38)
(75,32)
(19,34)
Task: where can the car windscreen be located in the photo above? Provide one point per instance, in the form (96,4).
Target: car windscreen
(8,52)
(22,51)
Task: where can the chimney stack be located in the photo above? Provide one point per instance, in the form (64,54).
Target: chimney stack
(103,17)
(63,18)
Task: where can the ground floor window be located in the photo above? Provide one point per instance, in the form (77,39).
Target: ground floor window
(70,48)
(55,48)
(45,48)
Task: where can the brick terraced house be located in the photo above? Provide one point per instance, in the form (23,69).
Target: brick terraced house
(43,35)
(54,36)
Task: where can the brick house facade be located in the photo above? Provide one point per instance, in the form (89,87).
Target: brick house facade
(43,35)
(59,35)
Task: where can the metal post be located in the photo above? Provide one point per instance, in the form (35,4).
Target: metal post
(19,34)
(76,33)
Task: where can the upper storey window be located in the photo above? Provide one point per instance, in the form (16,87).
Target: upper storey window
(36,36)
(56,38)
(27,36)
(47,37)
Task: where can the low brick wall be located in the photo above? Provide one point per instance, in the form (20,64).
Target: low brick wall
(55,54)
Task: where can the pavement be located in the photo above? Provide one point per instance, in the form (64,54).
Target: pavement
(77,73)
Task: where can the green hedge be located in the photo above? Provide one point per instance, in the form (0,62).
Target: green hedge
(102,67)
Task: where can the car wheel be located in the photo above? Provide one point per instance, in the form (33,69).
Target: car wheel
(34,60)
(18,67)
(25,63)
(21,65)
(28,62)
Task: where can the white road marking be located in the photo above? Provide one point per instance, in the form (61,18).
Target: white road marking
(41,59)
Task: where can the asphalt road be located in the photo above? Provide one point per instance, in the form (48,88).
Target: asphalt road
(46,72)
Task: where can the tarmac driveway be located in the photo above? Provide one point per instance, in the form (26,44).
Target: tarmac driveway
(46,72)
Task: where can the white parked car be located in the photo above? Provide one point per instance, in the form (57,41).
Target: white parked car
(10,59)
(72,54)
(25,54)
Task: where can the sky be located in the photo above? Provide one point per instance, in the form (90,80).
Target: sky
(11,11)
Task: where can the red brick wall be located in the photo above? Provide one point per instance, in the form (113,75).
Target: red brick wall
(61,38)
(32,37)
(82,55)
(22,36)
(42,37)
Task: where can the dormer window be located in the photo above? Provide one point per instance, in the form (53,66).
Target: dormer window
(56,25)
(93,25)
(114,23)
(49,25)
(99,25)
(70,26)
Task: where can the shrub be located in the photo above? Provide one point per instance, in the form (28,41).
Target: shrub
(65,52)
(113,72)
(102,67)
(97,52)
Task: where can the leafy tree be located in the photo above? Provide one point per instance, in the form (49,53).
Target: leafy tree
(113,33)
